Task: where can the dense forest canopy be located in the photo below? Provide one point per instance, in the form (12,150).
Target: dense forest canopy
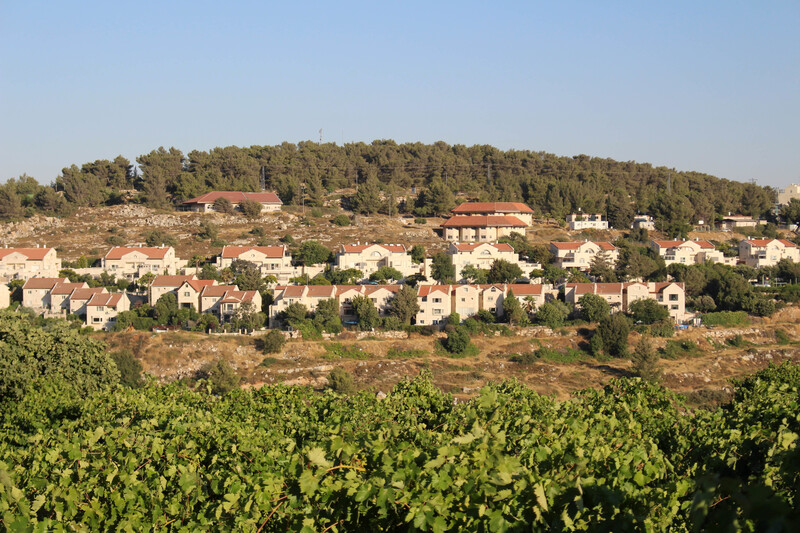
(552,185)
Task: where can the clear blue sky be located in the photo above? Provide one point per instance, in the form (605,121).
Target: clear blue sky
(707,86)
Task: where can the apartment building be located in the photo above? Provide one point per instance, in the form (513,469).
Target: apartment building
(381,296)
(189,292)
(308,295)
(579,221)
(514,209)
(102,309)
(60,294)
(644,222)
(790,192)
(134,262)
(36,292)
(225,300)
(480,255)
(767,252)
(481,228)
(205,203)
(368,258)
(270,260)
(621,295)
(435,304)
(581,254)
(5,296)
(24,263)
(165,284)
(689,252)
(80,297)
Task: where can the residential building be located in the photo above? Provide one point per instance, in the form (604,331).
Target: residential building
(270,260)
(5,296)
(732,222)
(80,297)
(225,300)
(789,193)
(480,228)
(205,203)
(644,222)
(581,254)
(368,258)
(466,300)
(381,296)
(767,252)
(435,304)
(689,252)
(620,295)
(515,209)
(24,263)
(134,262)
(102,309)
(480,255)
(308,295)
(164,284)
(59,296)
(189,292)
(578,221)
(36,292)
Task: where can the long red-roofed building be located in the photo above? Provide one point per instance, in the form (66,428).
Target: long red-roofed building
(672,296)
(481,228)
(205,202)
(581,254)
(134,262)
(24,263)
(270,260)
(767,252)
(515,209)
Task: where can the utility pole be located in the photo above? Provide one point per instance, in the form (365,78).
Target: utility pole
(489,172)
(320,136)
(303,199)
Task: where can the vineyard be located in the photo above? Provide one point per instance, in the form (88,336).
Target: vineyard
(629,457)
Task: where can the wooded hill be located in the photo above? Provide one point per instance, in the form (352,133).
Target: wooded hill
(552,185)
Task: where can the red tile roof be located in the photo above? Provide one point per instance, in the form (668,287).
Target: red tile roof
(603,245)
(170,281)
(43,283)
(764,242)
(111,299)
(198,284)
(33,254)
(492,207)
(674,244)
(427,290)
(238,297)
(152,253)
(233,252)
(481,221)
(86,294)
(523,289)
(67,288)
(358,248)
(236,197)
(469,247)
(217,291)
(366,289)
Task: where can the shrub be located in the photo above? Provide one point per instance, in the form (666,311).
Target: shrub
(220,375)
(223,205)
(273,341)
(341,220)
(287,239)
(258,231)
(115,240)
(399,353)
(725,318)
(737,341)
(218,243)
(614,331)
(130,369)
(268,361)
(341,381)
(527,358)
(782,337)
(645,361)
(251,209)
(662,329)
(486,316)
(337,350)
(420,221)
(391,323)
(457,340)
(316,212)
(676,349)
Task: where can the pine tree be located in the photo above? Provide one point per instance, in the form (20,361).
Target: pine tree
(645,361)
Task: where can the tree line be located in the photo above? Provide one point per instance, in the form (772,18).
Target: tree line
(382,173)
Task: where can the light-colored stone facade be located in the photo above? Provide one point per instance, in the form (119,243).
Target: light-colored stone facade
(103,308)
(270,260)
(24,263)
(133,263)
(205,203)
(790,192)
(488,228)
(514,209)
(767,252)
(579,221)
(36,292)
(581,254)
(368,258)
(689,252)
(5,296)
(620,295)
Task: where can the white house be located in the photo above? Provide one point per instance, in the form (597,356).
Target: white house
(134,262)
(24,263)
(578,221)
(581,254)
(205,203)
(368,258)
(270,260)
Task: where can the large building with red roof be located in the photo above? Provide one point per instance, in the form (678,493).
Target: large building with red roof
(767,252)
(483,255)
(102,309)
(134,262)
(515,209)
(620,296)
(270,260)
(481,228)
(368,258)
(205,202)
(580,255)
(24,263)
(689,252)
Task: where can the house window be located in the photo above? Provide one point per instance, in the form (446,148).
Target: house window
(421,321)
(186,294)
(463,299)
(437,300)
(674,307)
(673,297)
(96,319)
(493,309)
(437,311)
(101,308)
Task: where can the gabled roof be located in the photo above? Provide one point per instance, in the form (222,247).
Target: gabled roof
(661,285)
(232,297)
(217,291)
(198,284)
(236,197)
(358,248)
(675,244)
(109,299)
(232,252)
(470,247)
(366,290)
(86,294)
(43,283)
(481,221)
(523,289)
(765,242)
(33,254)
(67,288)
(603,245)
(596,288)
(492,207)
(310,291)
(119,252)
(427,290)
(170,281)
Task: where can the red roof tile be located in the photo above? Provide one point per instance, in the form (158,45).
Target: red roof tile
(675,244)
(427,290)
(170,281)
(86,294)
(152,253)
(483,221)
(111,299)
(236,197)
(358,248)
(67,288)
(469,247)
(33,254)
(232,252)
(492,207)
(43,283)
(198,284)
(603,245)
(217,291)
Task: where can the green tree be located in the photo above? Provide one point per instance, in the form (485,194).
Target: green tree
(457,340)
(503,271)
(295,313)
(614,330)
(645,361)
(348,276)
(790,212)
(620,210)
(602,268)
(473,274)
(367,199)
(166,308)
(437,200)
(247,275)
(221,376)
(273,341)
(313,253)
(223,205)
(250,209)
(130,369)
(326,316)
(551,315)
(341,381)
(594,308)
(647,311)
(513,311)
(418,254)
(405,305)
(442,268)
(386,273)
(161,171)
(366,313)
